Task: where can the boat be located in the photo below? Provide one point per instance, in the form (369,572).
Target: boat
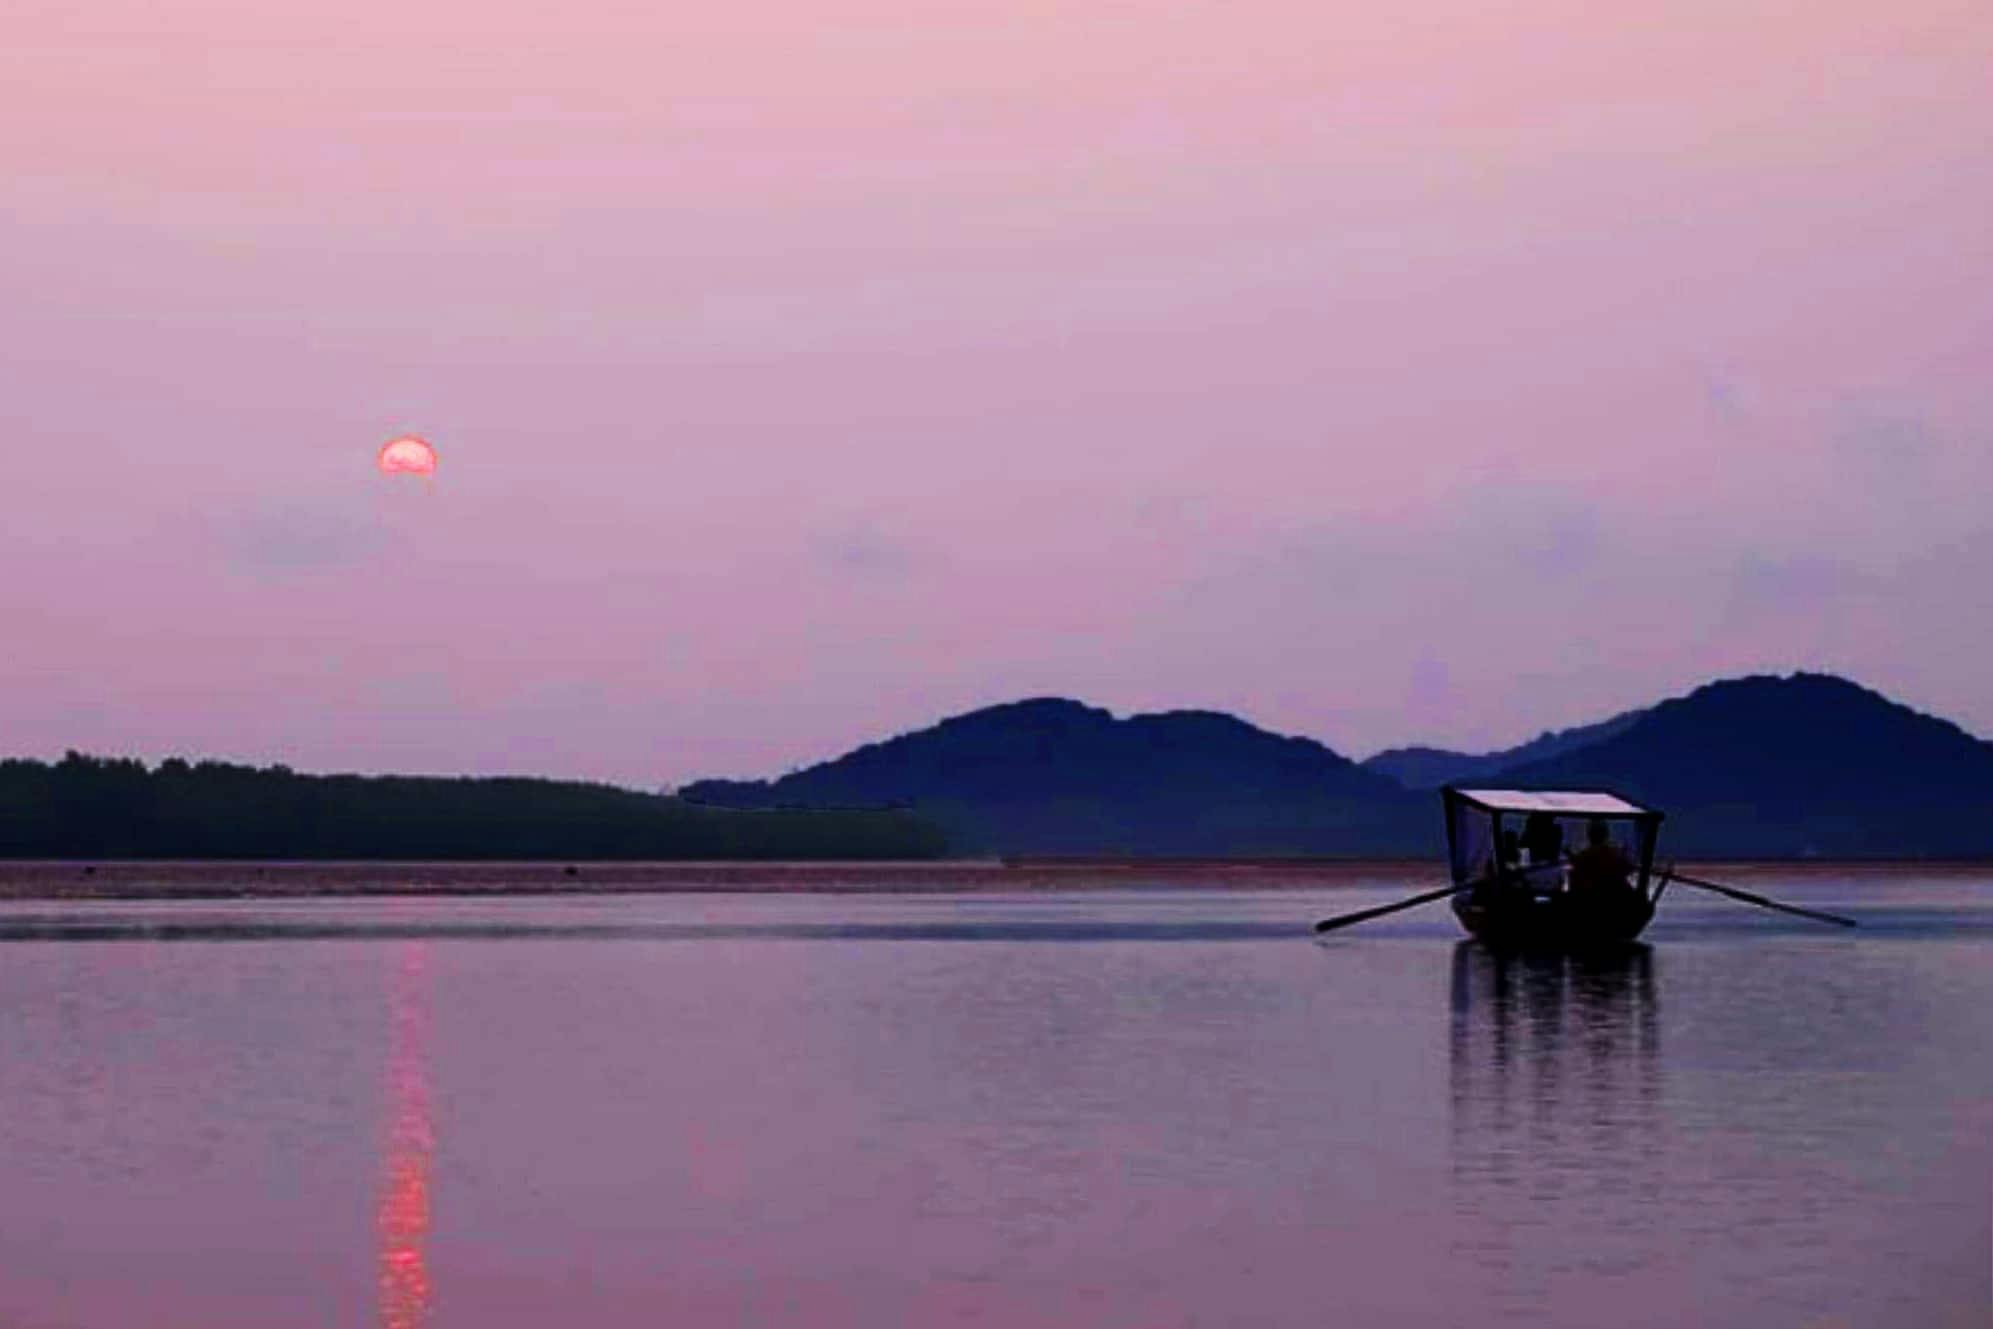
(1515,885)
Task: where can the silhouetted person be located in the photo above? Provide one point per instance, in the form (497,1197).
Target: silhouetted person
(1601,865)
(1543,838)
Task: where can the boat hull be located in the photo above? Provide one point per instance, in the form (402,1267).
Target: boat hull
(1564,921)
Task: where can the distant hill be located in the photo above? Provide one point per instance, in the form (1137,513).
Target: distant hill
(1052,776)
(1764,766)
(1804,765)
(91,807)
(1429,768)
(1752,767)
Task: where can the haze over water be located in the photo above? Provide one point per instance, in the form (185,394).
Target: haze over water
(1102,1108)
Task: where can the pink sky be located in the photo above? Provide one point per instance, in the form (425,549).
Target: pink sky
(805,372)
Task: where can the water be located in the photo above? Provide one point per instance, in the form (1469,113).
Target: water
(1109,1108)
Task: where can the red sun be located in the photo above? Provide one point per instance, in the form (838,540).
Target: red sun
(408,455)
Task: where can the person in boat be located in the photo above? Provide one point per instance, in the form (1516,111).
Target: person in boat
(1543,838)
(1542,854)
(1601,865)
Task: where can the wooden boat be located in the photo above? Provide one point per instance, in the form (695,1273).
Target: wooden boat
(1515,886)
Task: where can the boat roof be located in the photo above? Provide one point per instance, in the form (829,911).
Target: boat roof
(1557,802)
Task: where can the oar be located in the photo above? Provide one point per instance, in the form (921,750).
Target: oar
(1748,898)
(1344,920)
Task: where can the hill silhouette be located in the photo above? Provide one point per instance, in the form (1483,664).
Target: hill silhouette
(1429,768)
(93,807)
(1764,766)
(1053,776)
(1809,764)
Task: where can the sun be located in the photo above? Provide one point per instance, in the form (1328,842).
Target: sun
(408,455)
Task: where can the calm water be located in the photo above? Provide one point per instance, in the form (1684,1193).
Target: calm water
(1100,1109)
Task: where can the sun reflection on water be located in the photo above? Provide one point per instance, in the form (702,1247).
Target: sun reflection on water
(402,1218)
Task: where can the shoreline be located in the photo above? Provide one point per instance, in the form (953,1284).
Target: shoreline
(83,880)
(191,880)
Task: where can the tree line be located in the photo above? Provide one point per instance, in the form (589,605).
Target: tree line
(106,807)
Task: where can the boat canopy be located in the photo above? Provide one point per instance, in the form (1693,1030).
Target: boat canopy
(1557,802)
(1477,818)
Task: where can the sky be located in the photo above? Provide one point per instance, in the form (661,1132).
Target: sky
(803,372)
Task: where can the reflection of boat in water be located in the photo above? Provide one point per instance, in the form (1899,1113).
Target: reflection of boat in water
(1557,1122)
(1515,886)
(1562,1047)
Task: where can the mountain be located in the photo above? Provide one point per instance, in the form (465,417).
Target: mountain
(1763,766)
(1052,776)
(1803,765)
(1429,768)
